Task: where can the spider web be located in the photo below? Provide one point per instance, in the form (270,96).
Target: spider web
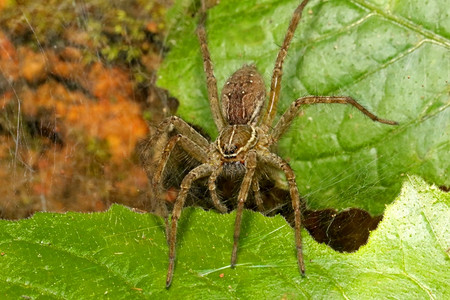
(341,159)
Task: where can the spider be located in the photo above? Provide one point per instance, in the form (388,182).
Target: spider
(246,137)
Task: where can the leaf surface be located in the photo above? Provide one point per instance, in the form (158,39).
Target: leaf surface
(392,56)
(120,254)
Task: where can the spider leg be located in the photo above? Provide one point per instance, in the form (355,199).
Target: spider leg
(198,172)
(242,197)
(194,150)
(211,81)
(275,84)
(257,193)
(277,161)
(158,149)
(191,148)
(212,189)
(287,118)
(183,128)
(150,149)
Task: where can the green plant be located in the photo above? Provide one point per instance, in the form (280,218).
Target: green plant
(120,254)
(389,56)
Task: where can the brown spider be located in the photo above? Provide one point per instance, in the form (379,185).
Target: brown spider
(246,137)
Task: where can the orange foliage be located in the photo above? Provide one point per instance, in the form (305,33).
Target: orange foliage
(110,83)
(107,112)
(33,66)
(114,117)
(8,58)
(99,105)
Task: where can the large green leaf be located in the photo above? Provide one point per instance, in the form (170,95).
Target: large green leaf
(121,254)
(392,56)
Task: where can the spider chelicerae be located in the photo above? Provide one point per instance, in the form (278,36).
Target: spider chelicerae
(246,138)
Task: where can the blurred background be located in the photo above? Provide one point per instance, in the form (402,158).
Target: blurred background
(76,95)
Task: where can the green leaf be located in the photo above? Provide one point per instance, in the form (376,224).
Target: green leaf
(120,254)
(392,56)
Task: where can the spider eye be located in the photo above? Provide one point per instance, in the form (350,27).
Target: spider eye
(231,149)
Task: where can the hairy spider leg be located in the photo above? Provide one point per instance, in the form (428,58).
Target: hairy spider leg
(190,140)
(287,118)
(194,143)
(189,146)
(257,193)
(277,161)
(250,166)
(196,173)
(181,127)
(275,84)
(211,81)
(212,189)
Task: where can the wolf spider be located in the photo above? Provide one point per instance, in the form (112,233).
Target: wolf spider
(246,137)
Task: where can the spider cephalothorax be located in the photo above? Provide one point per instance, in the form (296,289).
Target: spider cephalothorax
(246,136)
(235,140)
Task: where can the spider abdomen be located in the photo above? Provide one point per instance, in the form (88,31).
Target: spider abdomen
(243,96)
